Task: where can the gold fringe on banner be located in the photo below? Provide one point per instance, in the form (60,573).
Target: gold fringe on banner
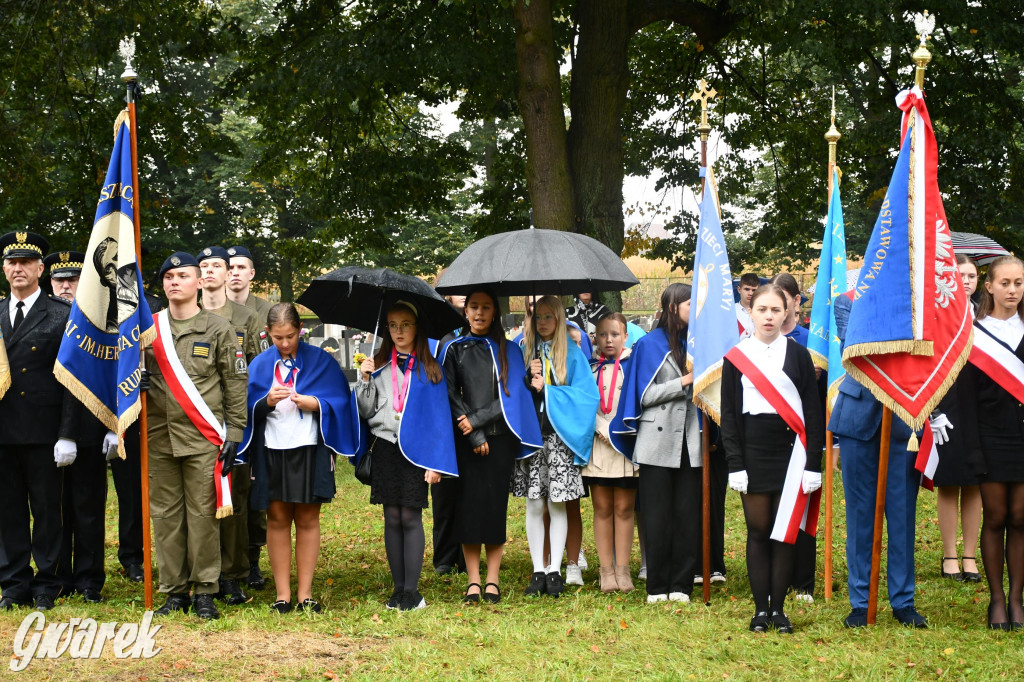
(820,361)
(225,511)
(122,117)
(708,403)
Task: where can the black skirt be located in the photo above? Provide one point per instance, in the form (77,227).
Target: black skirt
(624,482)
(481,508)
(1004,456)
(394,480)
(290,475)
(769,446)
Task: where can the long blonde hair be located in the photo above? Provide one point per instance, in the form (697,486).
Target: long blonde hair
(559,343)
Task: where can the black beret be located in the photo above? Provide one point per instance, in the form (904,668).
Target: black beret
(178,259)
(241,251)
(213,252)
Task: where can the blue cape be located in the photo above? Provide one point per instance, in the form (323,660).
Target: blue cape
(320,376)
(585,345)
(572,407)
(634,333)
(517,408)
(647,357)
(425,435)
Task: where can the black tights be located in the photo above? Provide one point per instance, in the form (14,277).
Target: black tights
(1003,506)
(769,563)
(404,544)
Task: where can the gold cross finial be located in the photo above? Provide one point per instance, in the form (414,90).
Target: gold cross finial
(702,94)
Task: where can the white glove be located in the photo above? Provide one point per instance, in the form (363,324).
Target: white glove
(939,425)
(109,447)
(64,452)
(812,481)
(738,481)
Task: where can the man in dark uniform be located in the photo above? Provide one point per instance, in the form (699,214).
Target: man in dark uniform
(85,479)
(241,271)
(182,459)
(234,530)
(39,422)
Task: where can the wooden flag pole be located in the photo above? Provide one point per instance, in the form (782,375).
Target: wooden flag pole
(832,137)
(702,94)
(131,81)
(876,541)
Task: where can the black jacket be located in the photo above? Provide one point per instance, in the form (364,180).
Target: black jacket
(37,409)
(473,390)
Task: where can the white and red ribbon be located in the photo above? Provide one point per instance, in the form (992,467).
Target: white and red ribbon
(997,361)
(797,509)
(927,458)
(188,397)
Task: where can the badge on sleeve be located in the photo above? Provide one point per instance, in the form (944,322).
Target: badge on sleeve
(241,339)
(264,344)
(240,367)
(200,350)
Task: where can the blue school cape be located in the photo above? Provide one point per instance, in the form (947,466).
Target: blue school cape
(425,435)
(645,360)
(319,376)
(585,345)
(572,407)
(517,408)
(634,333)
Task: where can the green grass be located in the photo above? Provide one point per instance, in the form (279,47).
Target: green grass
(583,635)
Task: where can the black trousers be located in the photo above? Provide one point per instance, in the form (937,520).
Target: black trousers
(85,505)
(719,487)
(669,501)
(805,562)
(30,478)
(127,475)
(443,496)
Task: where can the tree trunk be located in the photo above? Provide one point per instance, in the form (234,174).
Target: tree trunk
(540,101)
(600,80)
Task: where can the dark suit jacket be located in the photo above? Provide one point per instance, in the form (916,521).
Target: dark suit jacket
(37,409)
(798,367)
(989,409)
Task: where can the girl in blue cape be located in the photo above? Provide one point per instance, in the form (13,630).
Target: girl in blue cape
(566,398)
(300,417)
(495,424)
(656,426)
(402,395)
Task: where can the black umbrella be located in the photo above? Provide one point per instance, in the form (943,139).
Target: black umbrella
(359,297)
(981,249)
(526,262)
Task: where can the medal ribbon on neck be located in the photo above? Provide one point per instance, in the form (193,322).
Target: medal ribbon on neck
(547,363)
(399,391)
(606,406)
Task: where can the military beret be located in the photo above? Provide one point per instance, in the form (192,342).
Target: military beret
(241,251)
(178,259)
(64,264)
(214,252)
(24,245)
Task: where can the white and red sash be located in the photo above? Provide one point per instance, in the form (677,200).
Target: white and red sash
(998,361)
(797,509)
(187,395)
(927,458)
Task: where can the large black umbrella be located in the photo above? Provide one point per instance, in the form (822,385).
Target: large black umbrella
(527,262)
(981,249)
(360,297)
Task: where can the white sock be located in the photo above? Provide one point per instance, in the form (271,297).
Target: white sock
(535,532)
(559,531)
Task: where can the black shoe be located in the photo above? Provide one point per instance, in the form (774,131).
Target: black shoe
(781,623)
(858,618)
(231,593)
(311,605)
(134,572)
(92,596)
(281,606)
(1004,626)
(411,601)
(468,598)
(492,597)
(396,599)
(957,576)
(1014,624)
(255,581)
(538,585)
(444,569)
(909,616)
(9,604)
(971,577)
(204,607)
(175,602)
(554,584)
(43,602)
(759,623)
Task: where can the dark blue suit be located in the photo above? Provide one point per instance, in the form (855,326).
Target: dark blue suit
(857,418)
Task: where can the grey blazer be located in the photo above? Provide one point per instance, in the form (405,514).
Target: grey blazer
(668,416)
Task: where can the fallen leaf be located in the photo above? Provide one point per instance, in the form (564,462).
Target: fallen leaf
(569,631)
(375,618)
(622,625)
(822,659)
(948,651)
(596,649)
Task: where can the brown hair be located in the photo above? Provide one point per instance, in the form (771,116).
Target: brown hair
(617,317)
(424,360)
(770,288)
(496,333)
(962,259)
(675,295)
(987,302)
(283,313)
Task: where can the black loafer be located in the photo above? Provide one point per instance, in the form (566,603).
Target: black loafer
(231,593)
(255,581)
(412,601)
(910,617)
(134,572)
(444,569)
(538,585)
(92,596)
(43,602)
(204,607)
(281,606)
(175,602)
(311,605)
(396,600)
(781,623)
(858,618)
(759,623)
(10,603)
(554,584)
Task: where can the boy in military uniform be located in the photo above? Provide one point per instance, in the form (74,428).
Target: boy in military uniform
(241,271)
(185,433)
(234,530)
(39,421)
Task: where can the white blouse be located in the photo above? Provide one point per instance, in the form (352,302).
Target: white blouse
(288,426)
(768,356)
(1009,331)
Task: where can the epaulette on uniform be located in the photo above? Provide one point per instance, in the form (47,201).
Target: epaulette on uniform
(60,300)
